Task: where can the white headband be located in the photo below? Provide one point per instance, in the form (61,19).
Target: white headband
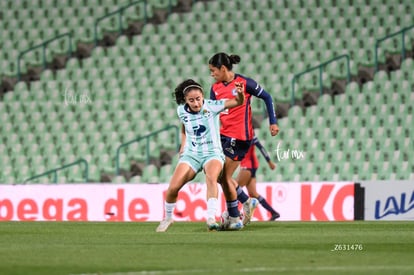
(192,86)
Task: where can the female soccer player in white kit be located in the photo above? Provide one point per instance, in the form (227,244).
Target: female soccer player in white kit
(200,148)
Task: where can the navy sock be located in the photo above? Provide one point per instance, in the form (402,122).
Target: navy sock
(241,196)
(232,208)
(264,203)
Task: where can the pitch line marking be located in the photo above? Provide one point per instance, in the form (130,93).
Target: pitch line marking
(265,269)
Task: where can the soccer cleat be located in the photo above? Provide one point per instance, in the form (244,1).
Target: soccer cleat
(248,208)
(164,224)
(235,224)
(274,216)
(225,220)
(212,225)
(230,223)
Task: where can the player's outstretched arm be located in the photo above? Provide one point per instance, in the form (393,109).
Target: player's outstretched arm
(264,152)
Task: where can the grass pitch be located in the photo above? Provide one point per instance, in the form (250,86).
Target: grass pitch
(187,248)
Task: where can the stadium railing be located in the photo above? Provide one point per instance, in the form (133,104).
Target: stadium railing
(147,139)
(320,67)
(55,170)
(120,12)
(43,45)
(401,32)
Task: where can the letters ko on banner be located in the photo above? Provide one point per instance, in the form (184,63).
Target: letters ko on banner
(327,201)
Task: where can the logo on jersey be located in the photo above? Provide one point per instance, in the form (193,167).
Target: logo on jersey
(199,129)
(234,92)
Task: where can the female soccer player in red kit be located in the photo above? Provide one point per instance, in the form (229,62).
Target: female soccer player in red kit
(236,128)
(247,175)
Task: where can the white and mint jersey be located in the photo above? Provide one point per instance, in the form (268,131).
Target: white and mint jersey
(202,129)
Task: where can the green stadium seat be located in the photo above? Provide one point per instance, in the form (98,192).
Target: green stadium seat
(94,173)
(150,174)
(166,171)
(135,179)
(119,179)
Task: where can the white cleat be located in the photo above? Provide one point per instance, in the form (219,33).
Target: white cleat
(230,223)
(235,223)
(248,208)
(164,224)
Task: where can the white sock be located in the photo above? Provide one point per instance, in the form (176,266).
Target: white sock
(212,205)
(169,209)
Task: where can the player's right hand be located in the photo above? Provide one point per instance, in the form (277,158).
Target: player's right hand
(272,165)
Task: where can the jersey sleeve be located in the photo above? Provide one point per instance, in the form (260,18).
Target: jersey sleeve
(215,106)
(253,88)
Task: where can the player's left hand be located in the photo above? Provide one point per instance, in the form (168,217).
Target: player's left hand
(272,165)
(274,129)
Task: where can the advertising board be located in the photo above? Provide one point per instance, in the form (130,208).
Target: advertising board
(145,202)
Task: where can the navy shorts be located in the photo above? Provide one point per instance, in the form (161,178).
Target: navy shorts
(234,148)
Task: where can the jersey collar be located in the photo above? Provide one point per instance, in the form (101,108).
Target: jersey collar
(227,83)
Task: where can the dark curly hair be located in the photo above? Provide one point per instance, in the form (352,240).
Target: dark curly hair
(220,59)
(183,88)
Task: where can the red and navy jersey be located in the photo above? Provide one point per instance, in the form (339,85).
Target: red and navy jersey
(237,122)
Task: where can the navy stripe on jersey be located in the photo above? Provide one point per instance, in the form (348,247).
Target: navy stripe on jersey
(253,88)
(246,122)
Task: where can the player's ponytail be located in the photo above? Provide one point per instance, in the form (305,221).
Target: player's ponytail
(184,87)
(223,59)
(235,59)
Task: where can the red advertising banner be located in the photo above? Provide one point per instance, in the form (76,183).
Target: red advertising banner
(145,202)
